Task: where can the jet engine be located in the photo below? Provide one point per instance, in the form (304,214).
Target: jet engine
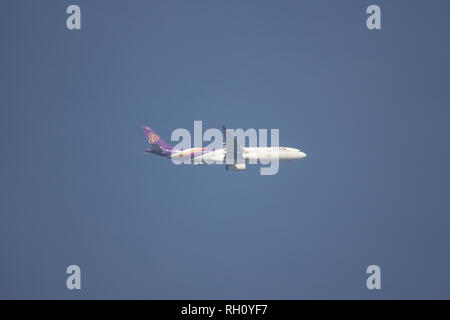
(235,167)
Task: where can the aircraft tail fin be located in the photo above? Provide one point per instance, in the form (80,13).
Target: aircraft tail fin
(156,142)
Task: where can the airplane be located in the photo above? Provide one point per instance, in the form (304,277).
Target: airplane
(239,155)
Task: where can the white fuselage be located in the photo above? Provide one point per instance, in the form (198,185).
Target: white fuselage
(272,153)
(250,155)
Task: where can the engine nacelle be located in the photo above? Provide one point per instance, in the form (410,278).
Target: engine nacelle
(235,167)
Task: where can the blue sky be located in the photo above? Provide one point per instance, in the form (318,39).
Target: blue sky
(370,108)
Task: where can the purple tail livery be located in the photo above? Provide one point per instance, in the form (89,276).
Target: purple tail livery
(157,145)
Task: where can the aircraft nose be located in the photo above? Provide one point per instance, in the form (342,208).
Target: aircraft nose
(302,154)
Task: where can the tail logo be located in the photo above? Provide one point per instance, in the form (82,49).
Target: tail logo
(152,138)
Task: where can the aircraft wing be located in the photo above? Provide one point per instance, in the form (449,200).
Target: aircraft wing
(235,152)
